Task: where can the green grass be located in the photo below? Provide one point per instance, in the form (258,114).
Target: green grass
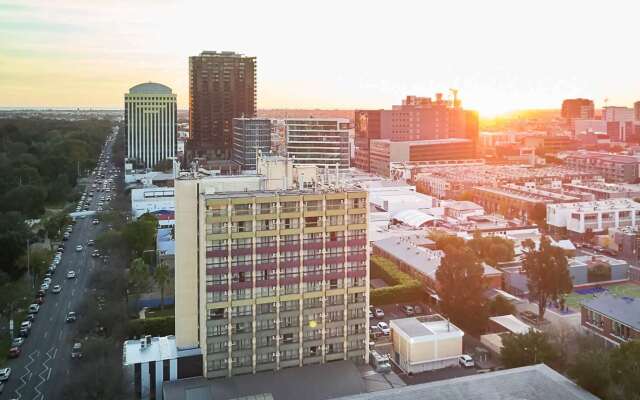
(626,289)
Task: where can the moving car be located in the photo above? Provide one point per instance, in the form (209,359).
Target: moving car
(95,221)
(71,274)
(76,350)
(79,247)
(5,373)
(466,361)
(91,242)
(71,317)
(384,328)
(56,289)
(408,309)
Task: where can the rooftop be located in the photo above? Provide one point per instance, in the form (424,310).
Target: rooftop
(425,328)
(603,205)
(313,382)
(534,382)
(150,88)
(512,324)
(620,308)
(155,349)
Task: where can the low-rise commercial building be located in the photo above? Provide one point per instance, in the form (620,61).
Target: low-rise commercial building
(612,318)
(613,167)
(425,343)
(154,200)
(595,216)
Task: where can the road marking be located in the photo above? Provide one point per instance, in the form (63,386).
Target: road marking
(60,336)
(51,318)
(46,333)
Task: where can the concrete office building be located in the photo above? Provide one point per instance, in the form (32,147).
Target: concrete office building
(222,86)
(318,141)
(369,125)
(573,109)
(384,152)
(270,279)
(250,136)
(150,117)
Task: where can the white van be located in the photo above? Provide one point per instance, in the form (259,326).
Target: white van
(466,361)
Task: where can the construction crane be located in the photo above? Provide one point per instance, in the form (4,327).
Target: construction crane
(454,93)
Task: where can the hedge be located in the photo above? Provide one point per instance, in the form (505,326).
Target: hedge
(157,326)
(404,287)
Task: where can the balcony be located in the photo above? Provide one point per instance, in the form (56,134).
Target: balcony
(290,263)
(270,248)
(289,246)
(357,257)
(241,285)
(314,245)
(317,277)
(241,268)
(289,280)
(334,275)
(334,243)
(241,251)
(312,261)
(357,241)
(357,273)
(220,287)
(334,259)
(267,283)
(217,253)
(266,265)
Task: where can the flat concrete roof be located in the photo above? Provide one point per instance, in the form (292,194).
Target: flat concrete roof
(535,382)
(160,348)
(312,382)
(426,328)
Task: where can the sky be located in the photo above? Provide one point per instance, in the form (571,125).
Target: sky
(501,55)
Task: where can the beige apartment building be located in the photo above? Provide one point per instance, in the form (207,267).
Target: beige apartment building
(269,279)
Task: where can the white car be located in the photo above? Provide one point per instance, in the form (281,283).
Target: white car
(34,308)
(44,286)
(466,361)
(56,289)
(71,274)
(379,313)
(384,328)
(47,280)
(5,373)
(79,247)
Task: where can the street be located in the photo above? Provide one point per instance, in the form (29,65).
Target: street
(42,369)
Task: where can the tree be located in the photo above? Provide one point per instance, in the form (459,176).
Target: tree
(13,243)
(139,277)
(547,274)
(39,260)
(141,234)
(13,294)
(501,306)
(461,287)
(625,369)
(590,369)
(492,250)
(529,348)
(162,276)
(27,199)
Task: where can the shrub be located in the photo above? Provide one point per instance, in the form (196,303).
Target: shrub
(159,326)
(404,287)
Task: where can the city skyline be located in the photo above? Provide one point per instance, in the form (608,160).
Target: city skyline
(513,58)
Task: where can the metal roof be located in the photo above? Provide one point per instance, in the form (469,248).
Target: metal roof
(150,88)
(622,309)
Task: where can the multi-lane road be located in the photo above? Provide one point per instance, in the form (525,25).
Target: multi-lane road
(45,363)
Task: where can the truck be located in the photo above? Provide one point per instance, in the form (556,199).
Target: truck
(379,362)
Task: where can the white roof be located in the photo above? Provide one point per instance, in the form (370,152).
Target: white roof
(512,324)
(415,218)
(426,328)
(160,348)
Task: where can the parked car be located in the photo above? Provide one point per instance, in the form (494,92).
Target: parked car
(30,317)
(39,300)
(384,328)
(418,310)
(17,342)
(14,352)
(466,361)
(379,313)
(34,308)
(5,373)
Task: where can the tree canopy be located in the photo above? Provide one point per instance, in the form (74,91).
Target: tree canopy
(530,348)
(547,273)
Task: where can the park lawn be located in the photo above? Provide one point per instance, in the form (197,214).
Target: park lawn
(625,289)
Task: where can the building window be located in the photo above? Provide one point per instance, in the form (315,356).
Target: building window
(218,313)
(241,311)
(217,330)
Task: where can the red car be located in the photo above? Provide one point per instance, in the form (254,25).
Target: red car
(14,352)
(39,300)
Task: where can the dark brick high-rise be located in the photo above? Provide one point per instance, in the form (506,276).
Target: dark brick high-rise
(222,86)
